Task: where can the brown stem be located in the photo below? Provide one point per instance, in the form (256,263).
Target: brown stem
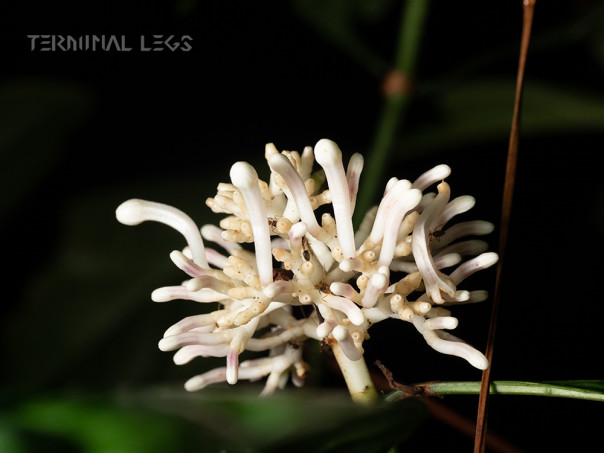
(528,7)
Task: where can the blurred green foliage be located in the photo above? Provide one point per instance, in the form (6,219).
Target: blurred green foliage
(82,424)
(546,108)
(234,420)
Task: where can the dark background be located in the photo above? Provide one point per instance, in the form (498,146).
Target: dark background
(82,132)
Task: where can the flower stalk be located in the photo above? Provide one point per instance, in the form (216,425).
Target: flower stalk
(357,377)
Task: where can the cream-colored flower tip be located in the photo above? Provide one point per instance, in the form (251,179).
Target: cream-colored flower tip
(135,211)
(273,251)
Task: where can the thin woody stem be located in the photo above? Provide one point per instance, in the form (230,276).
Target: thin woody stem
(506,209)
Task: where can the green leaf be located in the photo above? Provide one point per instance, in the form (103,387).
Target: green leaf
(576,389)
(236,419)
(481,111)
(298,420)
(96,426)
(10,442)
(36,120)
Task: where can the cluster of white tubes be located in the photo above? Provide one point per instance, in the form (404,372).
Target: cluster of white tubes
(392,267)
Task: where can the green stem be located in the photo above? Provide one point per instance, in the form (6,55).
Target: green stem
(395,104)
(511,388)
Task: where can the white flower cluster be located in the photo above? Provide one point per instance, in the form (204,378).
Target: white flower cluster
(345,278)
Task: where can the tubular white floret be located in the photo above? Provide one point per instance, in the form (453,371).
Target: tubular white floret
(434,280)
(473,297)
(215,258)
(346,306)
(190,323)
(432,176)
(136,211)
(330,321)
(203,295)
(185,264)
(468,268)
(237,346)
(451,345)
(344,290)
(278,375)
(321,252)
(478,296)
(353,175)
(385,207)
(390,184)
(469,228)
(403,203)
(376,285)
(214,234)
(168,293)
(341,334)
(245,178)
(251,370)
(275,189)
(232,364)
(191,338)
(329,156)
(441,322)
(276,288)
(325,328)
(455,207)
(307,159)
(448,260)
(187,353)
(295,235)
(266,343)
(283,166)
(201,381)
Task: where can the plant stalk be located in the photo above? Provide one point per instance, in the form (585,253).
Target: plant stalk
(549,389)
(397,90)
(361,387)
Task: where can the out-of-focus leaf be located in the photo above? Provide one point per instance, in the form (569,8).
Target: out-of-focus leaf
(9,437)
(36,118)
(234,420)
(299,420)
(575,389)
(596,46)
(336,21)
(185,7)
(96,426)
(482,110)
